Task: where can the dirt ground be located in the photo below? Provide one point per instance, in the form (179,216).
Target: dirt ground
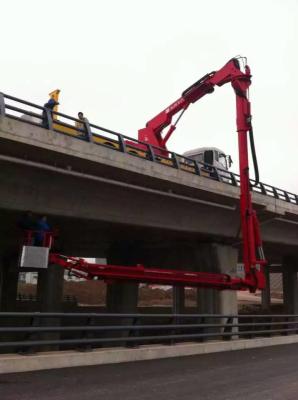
(94,293)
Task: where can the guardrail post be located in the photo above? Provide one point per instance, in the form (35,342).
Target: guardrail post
(34,322)
(287,197)
(133,333)
(253,321)
(89,135)
(197,168)
(228,328)
(269,328)
(285,326)
(87,335)
(233,179)
(176,160)
(151,152)
(175,321)
(201,329)
(2,105)
(217,174)
(275,193)
(296,326)
(122,143)
(263,189)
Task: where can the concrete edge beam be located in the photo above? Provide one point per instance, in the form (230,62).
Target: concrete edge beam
(22,132)
(12,363)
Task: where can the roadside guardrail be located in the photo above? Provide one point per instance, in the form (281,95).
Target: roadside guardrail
(34,331)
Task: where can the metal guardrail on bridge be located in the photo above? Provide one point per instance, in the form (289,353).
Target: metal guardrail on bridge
(27,331)
(28,112)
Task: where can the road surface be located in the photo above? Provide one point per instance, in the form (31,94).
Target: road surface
(260,374)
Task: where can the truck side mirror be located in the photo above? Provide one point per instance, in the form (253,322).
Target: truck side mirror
(230,161)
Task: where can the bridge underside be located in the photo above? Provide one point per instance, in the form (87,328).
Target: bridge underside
(105,210)
(128,244)
(104,202)
(102,220)
(89,238)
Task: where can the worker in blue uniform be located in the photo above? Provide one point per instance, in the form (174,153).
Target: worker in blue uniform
(50,106)
(41,228)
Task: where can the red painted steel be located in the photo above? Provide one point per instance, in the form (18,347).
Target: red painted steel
(83,269)
(47,241)
(152,133)
(252,243)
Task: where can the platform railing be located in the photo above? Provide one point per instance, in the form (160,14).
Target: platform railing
(34,114)
(21,332)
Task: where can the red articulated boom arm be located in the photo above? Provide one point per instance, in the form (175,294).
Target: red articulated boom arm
(240,81)
(153,131)
(83,269)
(253,256)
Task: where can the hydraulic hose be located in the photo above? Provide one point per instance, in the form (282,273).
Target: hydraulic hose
(254,157)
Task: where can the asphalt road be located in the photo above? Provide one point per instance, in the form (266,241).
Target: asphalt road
(261,374)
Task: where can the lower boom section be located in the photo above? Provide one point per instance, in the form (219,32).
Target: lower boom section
(110,273)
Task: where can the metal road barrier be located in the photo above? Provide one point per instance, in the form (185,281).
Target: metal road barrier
(28,332)
(25,111)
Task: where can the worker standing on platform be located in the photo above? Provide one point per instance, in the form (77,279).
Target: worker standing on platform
(50,106)
(27,224)
(41,228)
(82,120)
(27,221)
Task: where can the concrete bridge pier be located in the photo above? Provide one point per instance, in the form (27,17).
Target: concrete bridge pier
(266,293)
(178,300)
(290,284)
(50,288)
(122,297)
(50,297)
(205,257)
(175,256)
(217,258)
(9,273)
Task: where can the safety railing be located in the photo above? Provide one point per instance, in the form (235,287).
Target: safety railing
(31,113)
(39,331)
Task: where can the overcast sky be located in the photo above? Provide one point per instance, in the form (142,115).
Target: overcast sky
(122,62)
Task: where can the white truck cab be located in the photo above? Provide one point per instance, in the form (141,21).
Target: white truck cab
(210,155)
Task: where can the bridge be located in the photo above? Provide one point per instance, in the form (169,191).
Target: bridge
(106,198)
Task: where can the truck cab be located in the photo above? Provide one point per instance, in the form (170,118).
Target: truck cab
(210,155)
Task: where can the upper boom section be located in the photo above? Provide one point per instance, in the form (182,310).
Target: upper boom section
(230,72)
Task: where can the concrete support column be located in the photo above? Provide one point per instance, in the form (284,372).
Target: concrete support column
(9,274)
(50,296)
(122,297)
(207,300)
(173,256)
(266,298)
(206,257)
(50,289)
(290,285)
(178,299)
(217,259)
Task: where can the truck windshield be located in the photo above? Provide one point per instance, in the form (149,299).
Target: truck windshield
(222,160)
(199,157)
